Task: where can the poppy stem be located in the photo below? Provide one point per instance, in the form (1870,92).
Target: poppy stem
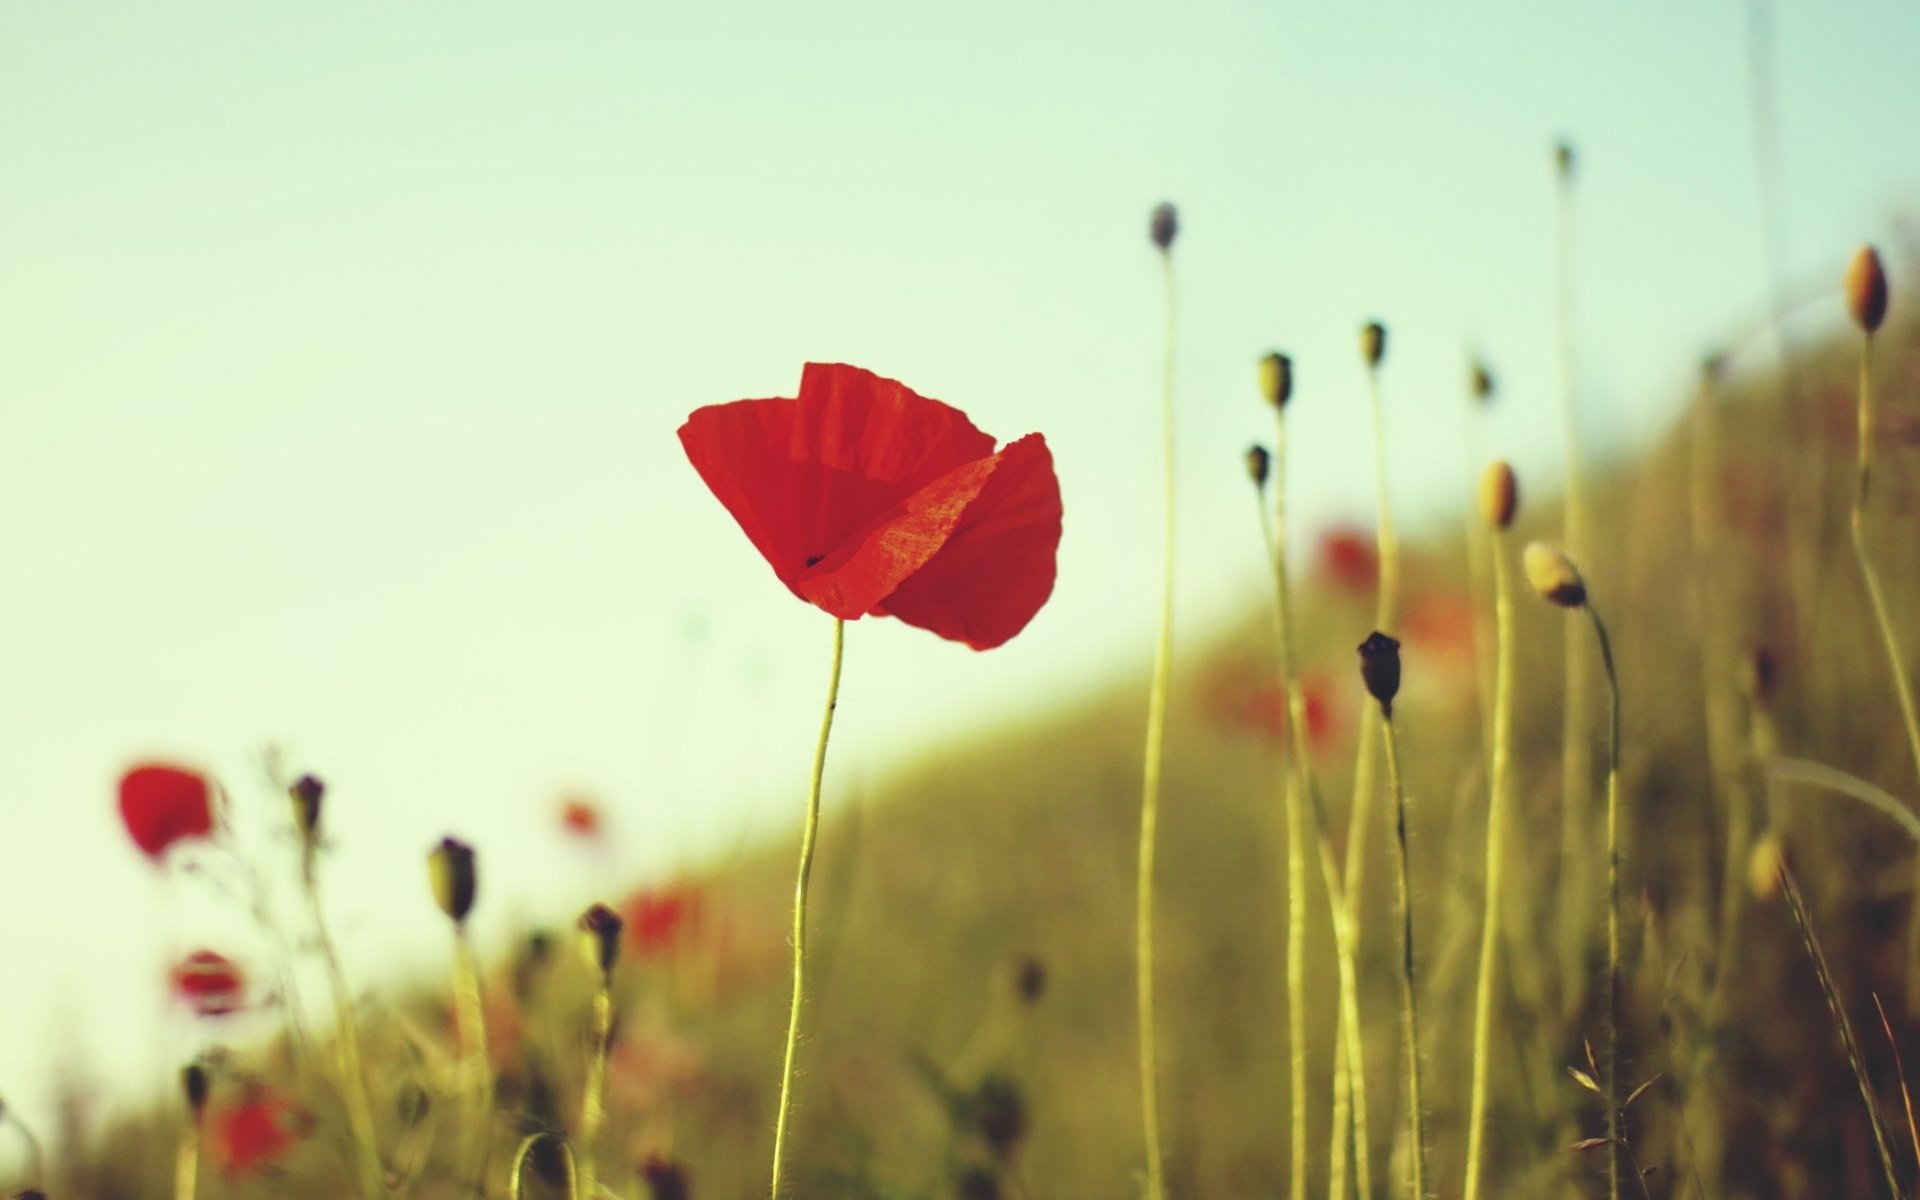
(527,1147)
(800,907)
(472,1014)
(1156,1188)
(1409,994)
(593,1102)
(186,1165)
(1612,1081)
(353,1075)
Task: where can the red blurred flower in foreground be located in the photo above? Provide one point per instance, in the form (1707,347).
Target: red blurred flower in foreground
(161,805)
(580,818)
(210,983)
(657,917)
(1348,558)
(868,499)
(253,1133)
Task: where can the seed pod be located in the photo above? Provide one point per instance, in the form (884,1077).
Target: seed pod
(1373,342)
(1276,379)
(195,1085)
(1499,495)
(1554,576)
(1259,465)
(1380,669)
(600,936)
(306,794)
(1866,287)
(1482,382)
(450,870)
(1164,223)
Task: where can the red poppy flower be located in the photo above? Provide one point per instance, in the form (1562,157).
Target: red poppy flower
(161,805)
(870,500)
(1347,557)
(655,918)
(210,983)
(580,818)
(253,1133)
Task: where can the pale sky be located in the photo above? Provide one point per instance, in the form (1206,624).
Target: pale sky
(344,347)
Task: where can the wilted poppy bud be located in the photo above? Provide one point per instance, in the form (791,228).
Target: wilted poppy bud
(1554,576)
(307,792)
(1163,225)
(1499,495)
(1380,669)
(666,1179)
(1259,465)
(195,1085)
(1276,379)
(1866,288)
(1563,159)
(1481,381)
(1373,342)
(600,936)
(450,869)
(1030,979)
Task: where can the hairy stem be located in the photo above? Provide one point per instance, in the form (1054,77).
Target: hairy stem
(1409,992)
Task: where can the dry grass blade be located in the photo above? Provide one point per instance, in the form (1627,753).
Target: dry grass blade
(1800,770)
(1797,903)
(1900,1069)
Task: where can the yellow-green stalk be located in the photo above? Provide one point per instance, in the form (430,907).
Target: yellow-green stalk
(1162,227)
(1480,388)
(1380,671)
(600,938)
(1558,581)
(1349,1083)
(451,871)
(800,886)
(516,1174)
(348,1060)
(1498,500)
(1576,751)
(186,1168)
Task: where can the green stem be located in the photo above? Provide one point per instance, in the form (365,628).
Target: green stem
(348,1059)
(1612,1081)
(1150,783)
(515,1186)
(593,1102)
(800,908)
(186,1167)
(472,1012)
(1498,801)
(1409,993)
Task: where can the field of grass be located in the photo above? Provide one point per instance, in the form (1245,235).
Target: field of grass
(972,1023)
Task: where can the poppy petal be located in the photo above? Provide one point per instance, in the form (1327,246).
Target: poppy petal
(740,451)
(996,569)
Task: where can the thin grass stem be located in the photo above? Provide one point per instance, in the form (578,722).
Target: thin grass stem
(799,918)
(516,1176)
(1800,770)
(1611,1084)
(471,1011)
(593,1101)
(347,1056)
(1409,992)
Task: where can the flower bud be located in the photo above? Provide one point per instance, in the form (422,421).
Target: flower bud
(1164,223)
(1373,342)
(600,937)
(306,794)
(1866,287)
(1499,495)
(195,1085)
(1030,979)
(1481,381)
(666,1179)
(1276,379)
(1554,576)
(1380,669)
(1563,160)
(450,869)
(1259,465)
(1761,675)
(1763,867)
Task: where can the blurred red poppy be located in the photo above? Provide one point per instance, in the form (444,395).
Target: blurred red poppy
(253,1133)
(580,817)
(1348,559)
(868,499)
(210,983)
(657,917)
(161,805)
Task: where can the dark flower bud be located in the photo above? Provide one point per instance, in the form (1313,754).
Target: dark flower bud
(977,1183)
(1000,1114)
(1554,576)
(307,792)
(666,1179)
(1259,465)
(1276,379)
(1163,225)
(451,871)
(1563,159)
(1380,669)
(195,1085)
(1762,676)
(1482,382)
(1373,342)
(600,936)
(1866,287)
(1030,979)
(1499,495)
